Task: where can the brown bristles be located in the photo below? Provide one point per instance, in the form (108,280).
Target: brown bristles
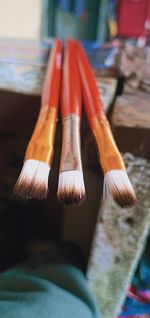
(23,189)
(33,180)
(124,199)
(71,189)
(118,186)
(30,190)
(73,197)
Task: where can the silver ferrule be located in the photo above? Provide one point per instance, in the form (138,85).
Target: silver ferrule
(71,154)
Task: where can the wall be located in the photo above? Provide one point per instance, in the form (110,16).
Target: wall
(20,18)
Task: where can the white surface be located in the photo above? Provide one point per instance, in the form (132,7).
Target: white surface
(20,18)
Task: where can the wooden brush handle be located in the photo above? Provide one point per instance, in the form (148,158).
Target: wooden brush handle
(50,93)
(71,101)
(93,102)
(109,155)
(41,145)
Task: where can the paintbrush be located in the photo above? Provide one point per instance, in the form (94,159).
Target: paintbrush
(33,179)
(116,182)
(71,189)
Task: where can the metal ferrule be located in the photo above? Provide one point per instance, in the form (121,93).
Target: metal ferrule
(71,155)
(41,145)
(109,155)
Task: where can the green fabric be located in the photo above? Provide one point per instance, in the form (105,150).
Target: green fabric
(46,290)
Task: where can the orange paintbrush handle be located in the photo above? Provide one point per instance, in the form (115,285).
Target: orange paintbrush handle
(41,145)
(93,102)
(50,93)
(110,157)
(71,101)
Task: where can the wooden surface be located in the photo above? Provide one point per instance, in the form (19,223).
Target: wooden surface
(132,111)
(119,241)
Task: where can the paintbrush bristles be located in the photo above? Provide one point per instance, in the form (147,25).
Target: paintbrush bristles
(71,189)
(33,180)
(118,186)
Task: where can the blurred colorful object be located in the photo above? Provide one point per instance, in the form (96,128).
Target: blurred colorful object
(137,303)
(112,19)
(64,5)
(133,18)
(77,7)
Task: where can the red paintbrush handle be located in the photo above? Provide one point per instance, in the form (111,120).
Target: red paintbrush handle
(50,93)
(93,102)
(71,101)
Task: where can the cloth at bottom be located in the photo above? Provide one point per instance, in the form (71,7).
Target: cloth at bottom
(46,289)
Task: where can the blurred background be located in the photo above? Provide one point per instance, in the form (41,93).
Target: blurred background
(82,19)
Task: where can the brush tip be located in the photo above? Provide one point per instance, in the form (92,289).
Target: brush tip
(33,180)
(118,186)
(71,189)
